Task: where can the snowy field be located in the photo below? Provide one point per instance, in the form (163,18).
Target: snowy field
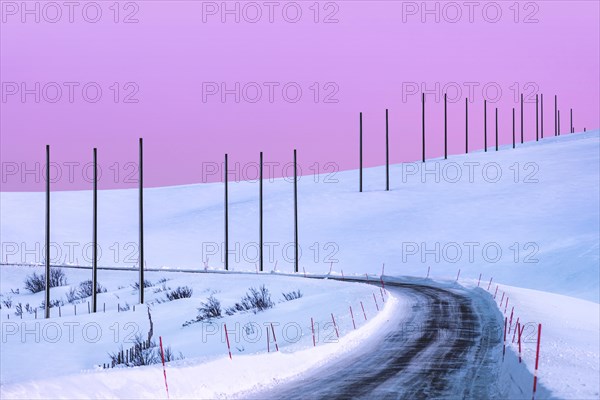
(75,346)
(527,217)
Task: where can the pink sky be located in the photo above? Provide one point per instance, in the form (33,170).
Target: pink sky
(367,61)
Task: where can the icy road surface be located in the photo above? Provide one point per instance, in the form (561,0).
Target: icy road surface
(450,347)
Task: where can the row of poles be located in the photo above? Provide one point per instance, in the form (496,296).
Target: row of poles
(260,212)
(261,232)
(539,129)
(141,223)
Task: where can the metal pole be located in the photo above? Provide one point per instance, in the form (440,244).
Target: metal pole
(387,152)
(445,127)
(423,122)
(47,305)
(295,214)
(466,126)
(141,257)
(513,126)
(261,213)
(95,236)
(521,118)
(226,218)
(542,115)
(360,155)
(485,125)
(496,129)
(537,122)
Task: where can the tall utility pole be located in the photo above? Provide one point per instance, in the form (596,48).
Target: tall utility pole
(445,127)
(466,125)
(485,125)
(360,155)
(141,196)
(226,218)
(423,122)
(387,152)
(260,239)
(295,214)
(47,293)
(95,236)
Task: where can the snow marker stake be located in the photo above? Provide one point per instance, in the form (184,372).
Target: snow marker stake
(496,292)
(488,289)
(537,360)
(268,341)
(337,333)
(479,281)
(330,268)
(382,298)
(515,331)
(520,332)
(502,300)
(382,284)
(428,268)
(227,338)
(512,310)
(504,347)
(506,305)
(375,299)
(303,269)
(343,275)
(367,275)
(162,355)
(312,326)
(458,275)
(363,308)
(352,314)
(274,338)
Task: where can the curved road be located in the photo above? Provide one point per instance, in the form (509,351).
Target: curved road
(447,348)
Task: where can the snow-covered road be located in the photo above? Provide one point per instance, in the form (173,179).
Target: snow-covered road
(449,347)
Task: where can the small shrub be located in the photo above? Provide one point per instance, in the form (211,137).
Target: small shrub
(72,296)
(293,295)
(85,289)
(19,310)
(147,284)
(182,292)
(14,291)
(208,310)
(53,303)
(37,282)
(7,302)
(255,300)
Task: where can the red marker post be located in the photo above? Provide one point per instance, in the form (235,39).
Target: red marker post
(489,284)
(268,342)
(428,269)
(375,299)
(274,338)
(227,338)
(537,359)
(520,333)
(343,275)
(458,275)
(363,308)
(506,305)
(162,355)
(312,326)
(511,317)
(382,298)
(502,299)
(504,347)
(479,281)
(337,333)
(304,270)
(352,315)
(496,292)
(516,329)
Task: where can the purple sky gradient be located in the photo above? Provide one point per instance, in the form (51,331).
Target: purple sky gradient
(370,55)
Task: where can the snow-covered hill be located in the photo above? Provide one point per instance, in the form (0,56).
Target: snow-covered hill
(529,217)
